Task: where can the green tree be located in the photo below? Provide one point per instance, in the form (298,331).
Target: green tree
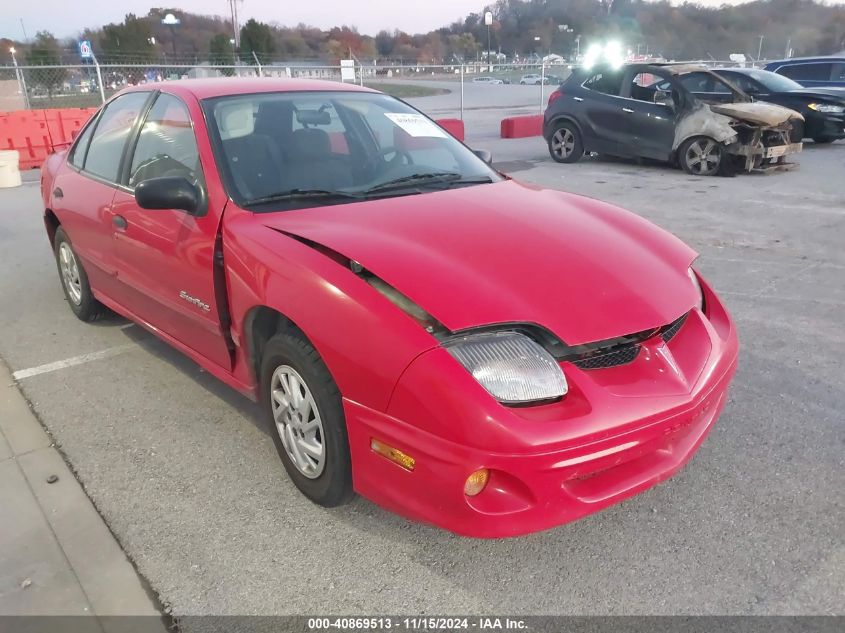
(256,37)
(45,51)
(222,53)
(127,42)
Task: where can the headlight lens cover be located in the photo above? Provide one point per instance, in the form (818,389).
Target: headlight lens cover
(827,107)
(513,368)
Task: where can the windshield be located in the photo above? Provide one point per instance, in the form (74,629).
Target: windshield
(774,82)
(287,150)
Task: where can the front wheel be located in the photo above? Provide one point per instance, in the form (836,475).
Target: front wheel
(304,414)
(700,156)
(565,144)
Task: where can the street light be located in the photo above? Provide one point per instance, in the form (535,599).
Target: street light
(488,20)
(172,21)
(20,77)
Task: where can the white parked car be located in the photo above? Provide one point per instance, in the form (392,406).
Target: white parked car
(531,80)
(487,80)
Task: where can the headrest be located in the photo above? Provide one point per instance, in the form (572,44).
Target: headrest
(234,119)
(312,144)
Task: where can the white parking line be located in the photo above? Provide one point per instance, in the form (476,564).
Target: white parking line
(70,362)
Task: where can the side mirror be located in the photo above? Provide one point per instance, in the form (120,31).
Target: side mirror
(168,192)
(484,155)
(664,98)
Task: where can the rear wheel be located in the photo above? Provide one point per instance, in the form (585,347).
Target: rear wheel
(700,156)
(565,145)
(302,407)
(74,279)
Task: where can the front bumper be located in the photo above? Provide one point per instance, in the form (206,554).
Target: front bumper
(610,438)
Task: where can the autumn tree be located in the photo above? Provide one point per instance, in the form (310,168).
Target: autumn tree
(45,51)
(256,37)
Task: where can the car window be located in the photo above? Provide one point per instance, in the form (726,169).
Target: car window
(838,73)
(701,82)
(341,142)
(108,140)
(77,155)
(606,82)
(816,71)
(743,82)
(166,145)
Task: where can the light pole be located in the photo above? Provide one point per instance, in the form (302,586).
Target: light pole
(172,21)
(20,77)
(760,49)
(488,20)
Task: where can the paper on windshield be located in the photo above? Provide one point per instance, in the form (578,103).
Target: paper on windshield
(416,125)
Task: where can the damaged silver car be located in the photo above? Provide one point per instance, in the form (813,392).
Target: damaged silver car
(650,111)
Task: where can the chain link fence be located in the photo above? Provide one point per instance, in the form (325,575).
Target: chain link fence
(39,87)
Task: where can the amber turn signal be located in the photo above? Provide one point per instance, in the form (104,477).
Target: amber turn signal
(476,482)
(393,454)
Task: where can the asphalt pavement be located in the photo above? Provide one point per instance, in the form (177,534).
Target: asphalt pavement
(191,486)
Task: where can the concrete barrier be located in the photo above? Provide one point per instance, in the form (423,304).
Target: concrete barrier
(522,126)
(10,173)
(455,127)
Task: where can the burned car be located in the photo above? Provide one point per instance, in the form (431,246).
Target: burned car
(650,111)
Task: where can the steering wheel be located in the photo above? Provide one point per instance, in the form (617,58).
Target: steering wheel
(387,151)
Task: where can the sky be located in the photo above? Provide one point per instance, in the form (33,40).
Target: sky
(66,18)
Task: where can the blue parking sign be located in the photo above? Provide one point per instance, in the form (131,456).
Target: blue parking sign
(85,51)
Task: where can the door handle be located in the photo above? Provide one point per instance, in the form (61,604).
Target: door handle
(58,193)
(629,110)
(577,99)
(119,222)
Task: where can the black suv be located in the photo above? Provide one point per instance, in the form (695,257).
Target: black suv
(652,111)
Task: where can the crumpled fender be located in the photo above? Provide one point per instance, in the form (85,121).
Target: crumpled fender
(702,121)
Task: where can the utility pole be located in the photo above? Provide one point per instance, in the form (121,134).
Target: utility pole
(233,7)
(488,20)
(760,49)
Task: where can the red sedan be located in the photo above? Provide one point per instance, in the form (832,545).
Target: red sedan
(487,356)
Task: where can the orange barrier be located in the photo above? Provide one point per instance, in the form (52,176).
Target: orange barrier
(522,126)
(455,127)
(38,133)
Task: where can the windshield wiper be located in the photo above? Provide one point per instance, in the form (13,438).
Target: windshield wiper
(447,177)
(300,194)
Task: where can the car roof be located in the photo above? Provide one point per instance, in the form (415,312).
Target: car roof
(674,69)
(818,58)
(225,86)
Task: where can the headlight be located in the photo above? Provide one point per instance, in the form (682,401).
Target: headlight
(827,108)
(513,368)
(694,279)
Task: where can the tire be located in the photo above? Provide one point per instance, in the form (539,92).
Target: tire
(700,156)
(289,355)
(75,280)
(565,144)
(823,140)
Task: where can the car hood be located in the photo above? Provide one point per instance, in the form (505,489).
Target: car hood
(508,252)
(757,112)
(827,94)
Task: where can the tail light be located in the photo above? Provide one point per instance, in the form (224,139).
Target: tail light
(557,94)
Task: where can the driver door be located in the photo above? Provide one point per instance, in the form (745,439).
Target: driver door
(165,258)
(652,124)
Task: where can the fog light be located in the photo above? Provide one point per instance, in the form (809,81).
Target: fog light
(393,454)
(476,481)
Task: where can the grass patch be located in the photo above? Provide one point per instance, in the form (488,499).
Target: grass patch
(405,91)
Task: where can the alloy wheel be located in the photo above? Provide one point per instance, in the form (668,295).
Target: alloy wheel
(298,421)
(703,157)
(70,273)
(563,143)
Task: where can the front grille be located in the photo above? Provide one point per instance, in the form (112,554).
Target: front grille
(622,350)
(613,358)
